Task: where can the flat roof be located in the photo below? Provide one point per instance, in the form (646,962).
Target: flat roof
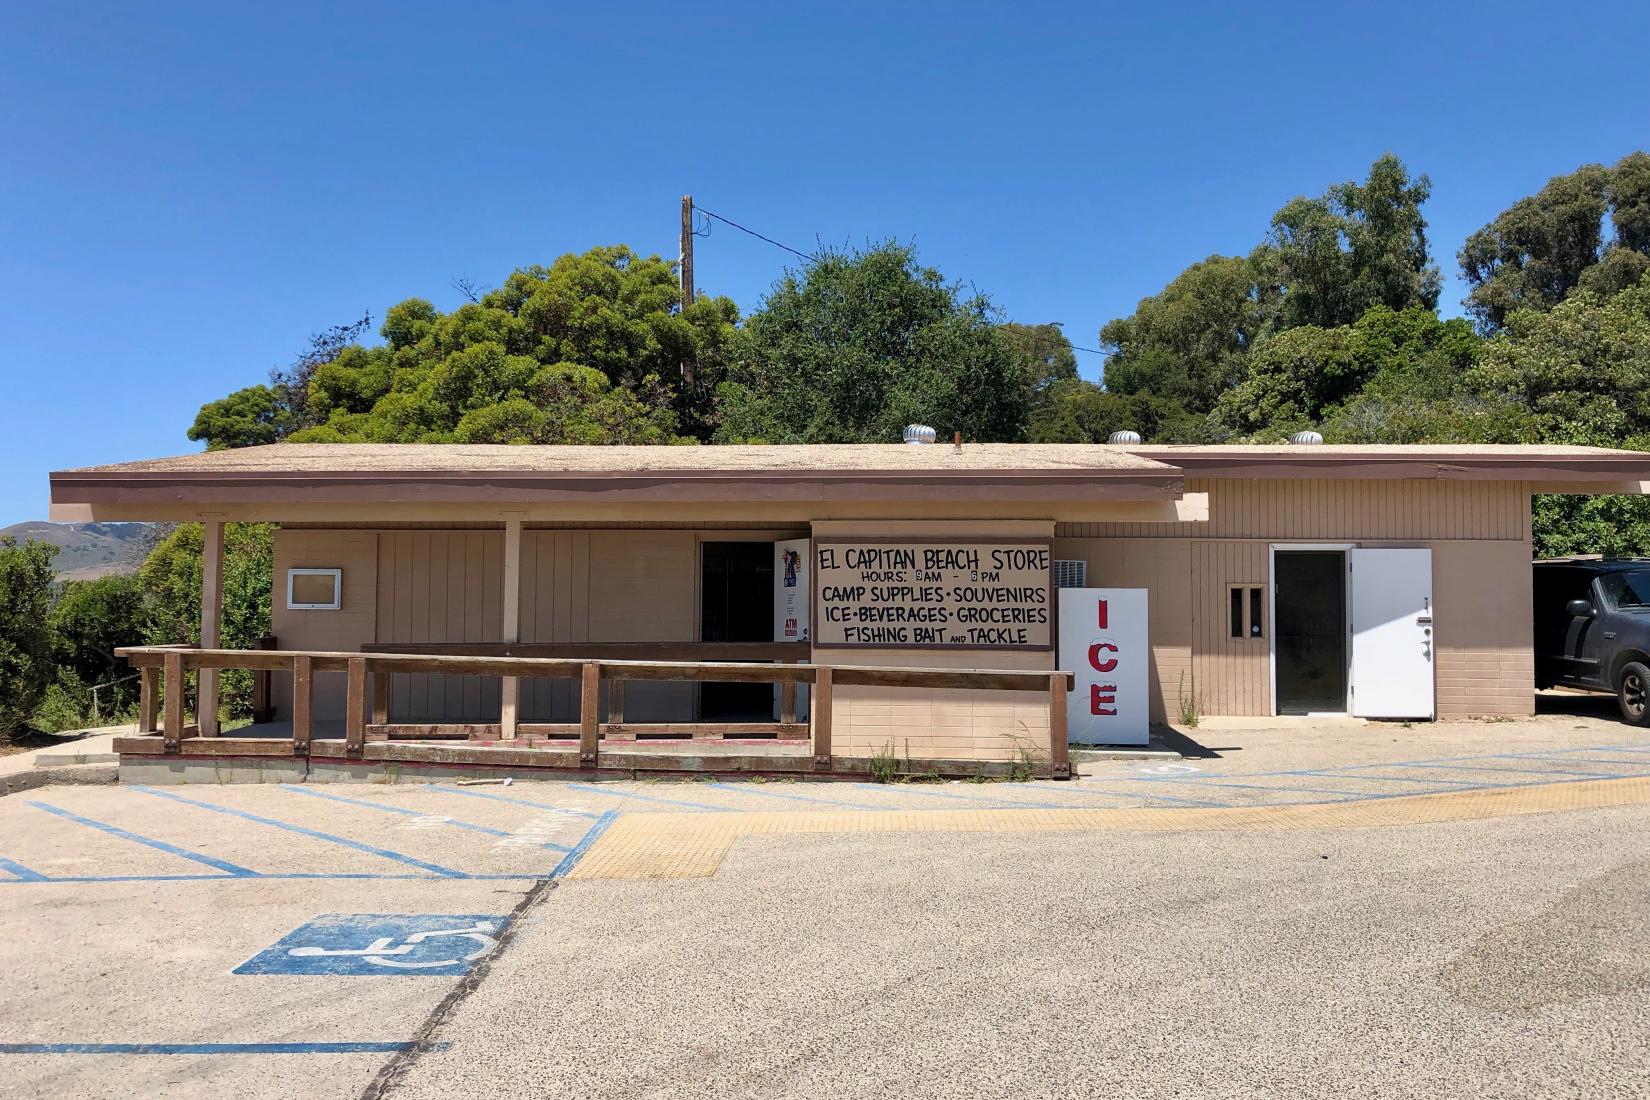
(1448,461)
(1011,473)
(496,458)
(385,473)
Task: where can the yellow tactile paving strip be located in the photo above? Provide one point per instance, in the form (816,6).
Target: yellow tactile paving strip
(692,845)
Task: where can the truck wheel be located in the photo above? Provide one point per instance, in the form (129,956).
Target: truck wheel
(1633,693)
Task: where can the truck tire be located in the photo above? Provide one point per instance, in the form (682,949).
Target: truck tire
(1633,693)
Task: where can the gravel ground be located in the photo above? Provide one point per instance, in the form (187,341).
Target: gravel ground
(1495,958)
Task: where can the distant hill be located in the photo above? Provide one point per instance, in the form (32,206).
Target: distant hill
(88,550)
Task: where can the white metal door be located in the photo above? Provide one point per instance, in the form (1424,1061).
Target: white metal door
(1391,633)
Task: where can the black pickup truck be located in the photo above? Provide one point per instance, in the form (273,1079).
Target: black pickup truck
(1592,629)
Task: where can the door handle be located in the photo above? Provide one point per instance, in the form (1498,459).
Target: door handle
(1609,633)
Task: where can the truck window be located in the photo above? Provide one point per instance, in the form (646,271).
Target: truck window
(1625,591)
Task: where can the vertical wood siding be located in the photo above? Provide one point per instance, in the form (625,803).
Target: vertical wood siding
(1478,531)
(441,586)
(1346,511)
(347,629)
(1164,568)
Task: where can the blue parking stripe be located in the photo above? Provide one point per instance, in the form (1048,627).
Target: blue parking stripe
(159,845)
(353,876)
(646,797)
(751,788)
(214,1048)
(382,853)
(23,873)
(1494,770)
(1601,760)
(437,788)
(571,859)
(295,789)
(1429,781)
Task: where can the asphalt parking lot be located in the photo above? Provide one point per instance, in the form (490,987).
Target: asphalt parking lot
(342,941)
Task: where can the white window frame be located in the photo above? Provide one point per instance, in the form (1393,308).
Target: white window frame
(337,576)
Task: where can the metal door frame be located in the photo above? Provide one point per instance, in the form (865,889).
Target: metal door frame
(1344,549)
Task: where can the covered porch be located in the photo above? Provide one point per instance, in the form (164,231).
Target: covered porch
(548,608)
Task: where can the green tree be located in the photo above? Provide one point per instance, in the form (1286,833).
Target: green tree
(1358,245)
(1294,377)
(26,649)
(248,417)
(859,343)
(1540,249)
(594,348)
(171,582)
(1190,342)
(1076,410)
(1582,368)
(91,618)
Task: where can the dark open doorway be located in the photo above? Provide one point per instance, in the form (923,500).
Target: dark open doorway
(1310,631)
(736,605)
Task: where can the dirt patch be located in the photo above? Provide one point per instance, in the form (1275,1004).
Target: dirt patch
(1589,943)
(23,742)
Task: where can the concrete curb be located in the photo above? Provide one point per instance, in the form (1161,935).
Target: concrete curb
(69,774)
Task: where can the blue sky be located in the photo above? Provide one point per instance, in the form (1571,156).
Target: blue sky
(189,191)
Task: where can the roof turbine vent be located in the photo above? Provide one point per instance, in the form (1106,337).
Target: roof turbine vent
(919,433)
(1306,439)
(1123,437)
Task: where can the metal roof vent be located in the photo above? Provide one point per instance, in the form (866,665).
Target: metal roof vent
(1123,437)
(919,433)
(1306,439)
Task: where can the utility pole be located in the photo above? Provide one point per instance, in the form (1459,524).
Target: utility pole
(685,269)
(687,251)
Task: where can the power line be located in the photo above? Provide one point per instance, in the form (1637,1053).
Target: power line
(754,233)
(815,259)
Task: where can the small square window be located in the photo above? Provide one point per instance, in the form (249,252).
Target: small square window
(1247,609)
(314,589)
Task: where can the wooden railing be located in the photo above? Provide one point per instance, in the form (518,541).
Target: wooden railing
(162,670)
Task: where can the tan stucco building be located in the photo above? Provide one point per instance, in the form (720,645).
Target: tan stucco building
(633,553)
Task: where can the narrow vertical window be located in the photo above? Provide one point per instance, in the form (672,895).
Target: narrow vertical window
(1237,613)
(1256,615)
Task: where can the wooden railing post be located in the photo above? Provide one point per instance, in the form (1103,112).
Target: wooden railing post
(590,701)
(787,702)
(262,711)
(148,699)
(1059,755)
(173,684)
(615,702)
(381,696)
(303,705)
(819,718)
(355,702)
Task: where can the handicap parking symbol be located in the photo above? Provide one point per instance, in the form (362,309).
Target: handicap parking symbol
(380,943)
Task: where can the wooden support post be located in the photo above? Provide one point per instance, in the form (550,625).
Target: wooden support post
(615,702)
(173,677)
(819,718)
(1059,756)
(206,680)
(355,701)
(381,697)
(510,686)
(303,705)
(148,699)
(787,702)
(263,709)
(590,701)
